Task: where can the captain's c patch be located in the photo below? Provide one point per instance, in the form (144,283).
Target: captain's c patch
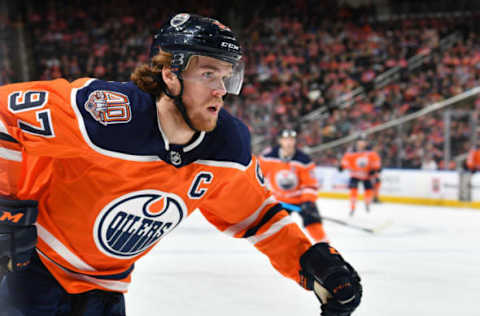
(109,107)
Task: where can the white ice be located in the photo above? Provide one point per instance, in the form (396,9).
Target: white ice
(427,262)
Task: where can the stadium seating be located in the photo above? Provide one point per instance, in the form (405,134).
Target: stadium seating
(299,59)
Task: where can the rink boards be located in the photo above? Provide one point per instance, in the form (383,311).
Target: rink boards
(440,188)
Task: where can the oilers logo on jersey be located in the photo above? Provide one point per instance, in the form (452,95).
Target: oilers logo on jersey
(286,180)
(132,223)
(109,107)
(361,162)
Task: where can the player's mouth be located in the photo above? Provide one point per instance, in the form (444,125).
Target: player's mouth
(214,108)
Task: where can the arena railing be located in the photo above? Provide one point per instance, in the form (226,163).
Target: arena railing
(463,98)
(344,101)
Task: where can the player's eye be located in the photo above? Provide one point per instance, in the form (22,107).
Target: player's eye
(208,75)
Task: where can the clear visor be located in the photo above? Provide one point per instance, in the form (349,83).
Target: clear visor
(288,133)
(218,78)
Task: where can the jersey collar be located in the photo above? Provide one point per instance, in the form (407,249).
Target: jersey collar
(178,155)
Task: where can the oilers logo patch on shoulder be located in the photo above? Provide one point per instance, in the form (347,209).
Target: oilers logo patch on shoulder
(132,223)
(109,107)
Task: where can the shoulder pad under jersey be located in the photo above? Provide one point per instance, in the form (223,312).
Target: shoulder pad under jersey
(301,157)
(229,141)
(273,153)
(117,117)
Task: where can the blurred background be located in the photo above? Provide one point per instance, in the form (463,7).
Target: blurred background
(403,74)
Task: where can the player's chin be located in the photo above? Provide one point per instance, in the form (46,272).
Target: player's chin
(206,125)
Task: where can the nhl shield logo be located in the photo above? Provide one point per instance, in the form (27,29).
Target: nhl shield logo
(175,158)
(133,223)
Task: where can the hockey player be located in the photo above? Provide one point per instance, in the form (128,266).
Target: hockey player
(95,173)
(289,175)
(375,173)
(472,163)
(361,166)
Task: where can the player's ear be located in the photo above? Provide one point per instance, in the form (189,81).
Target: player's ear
(171,81)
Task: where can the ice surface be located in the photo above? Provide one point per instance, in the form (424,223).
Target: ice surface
(426,263)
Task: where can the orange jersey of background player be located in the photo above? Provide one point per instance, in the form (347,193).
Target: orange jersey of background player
(359,164)
(110,186)
(473,160)
(291,181)
(375,160)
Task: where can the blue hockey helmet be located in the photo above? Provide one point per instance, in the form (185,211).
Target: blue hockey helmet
(186,35)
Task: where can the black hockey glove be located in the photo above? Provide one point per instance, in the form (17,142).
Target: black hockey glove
(309,207)
(310,213)
(340,168)
(18,235)
(335,283)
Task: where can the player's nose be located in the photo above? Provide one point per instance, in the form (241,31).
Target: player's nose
(219,90)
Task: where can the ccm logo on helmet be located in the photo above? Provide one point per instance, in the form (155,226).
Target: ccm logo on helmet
(132,223)
(229,45)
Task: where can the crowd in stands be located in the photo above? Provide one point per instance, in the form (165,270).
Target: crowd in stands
(301,56)
(104,40)
(303,63)
(443,75)
(314,63)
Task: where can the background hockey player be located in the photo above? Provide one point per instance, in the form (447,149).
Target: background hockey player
(289,174)
(95,173)
(375,172)
(361,166)
(472,163)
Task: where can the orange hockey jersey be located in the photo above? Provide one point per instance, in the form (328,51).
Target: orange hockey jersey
(291,181)
(376,161)
(360,164)
(473,160)
(110,186)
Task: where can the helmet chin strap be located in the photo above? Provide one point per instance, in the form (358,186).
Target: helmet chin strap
(177,100)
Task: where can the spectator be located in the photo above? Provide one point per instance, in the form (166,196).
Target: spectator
(428,163)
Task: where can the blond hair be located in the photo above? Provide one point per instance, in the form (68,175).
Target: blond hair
(148,77)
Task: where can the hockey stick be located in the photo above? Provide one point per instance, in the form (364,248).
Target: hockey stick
(365,229)
(295,208)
